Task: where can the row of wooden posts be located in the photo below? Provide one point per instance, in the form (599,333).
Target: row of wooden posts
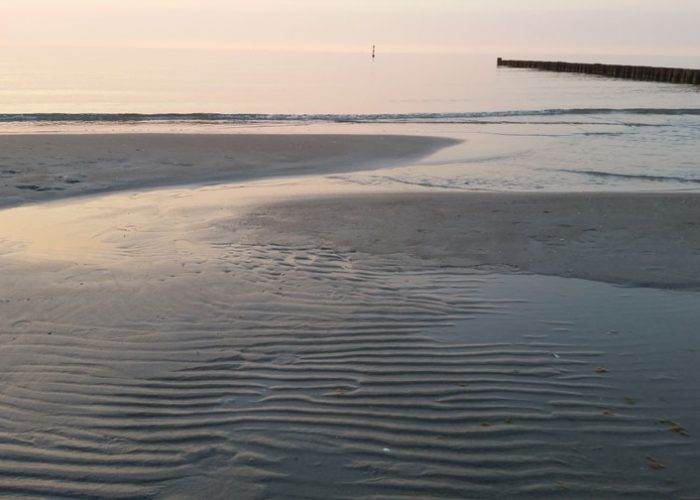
(645,73)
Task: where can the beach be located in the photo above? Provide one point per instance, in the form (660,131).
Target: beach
(40,167)
(244,316)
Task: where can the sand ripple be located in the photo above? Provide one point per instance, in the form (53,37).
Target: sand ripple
(317,374)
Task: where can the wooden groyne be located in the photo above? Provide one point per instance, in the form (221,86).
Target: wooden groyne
(642,73)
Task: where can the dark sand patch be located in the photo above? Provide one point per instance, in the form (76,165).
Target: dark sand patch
(632,239)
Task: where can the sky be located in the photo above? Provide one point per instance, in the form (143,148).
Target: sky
(500,26)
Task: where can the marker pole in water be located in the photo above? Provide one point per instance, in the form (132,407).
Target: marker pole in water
(373,49)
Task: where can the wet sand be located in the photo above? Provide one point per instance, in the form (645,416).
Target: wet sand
(56,166)
(629,239)
(311,338)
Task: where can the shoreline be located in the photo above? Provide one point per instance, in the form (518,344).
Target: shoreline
(36,167)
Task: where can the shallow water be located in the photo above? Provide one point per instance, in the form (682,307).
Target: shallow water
(319,374)
(560,153)
(162,351)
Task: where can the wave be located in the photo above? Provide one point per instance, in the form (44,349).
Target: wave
(245,118)
(641,177)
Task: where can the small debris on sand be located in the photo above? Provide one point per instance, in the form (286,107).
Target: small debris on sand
(674,427)
(654,464)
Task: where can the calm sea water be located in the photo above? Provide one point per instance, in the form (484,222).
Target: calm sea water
(525,130)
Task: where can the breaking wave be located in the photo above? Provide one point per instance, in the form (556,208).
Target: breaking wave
(246,118)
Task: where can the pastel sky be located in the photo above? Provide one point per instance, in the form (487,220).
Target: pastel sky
(584,26)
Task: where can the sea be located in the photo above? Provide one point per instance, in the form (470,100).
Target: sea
(522,130)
